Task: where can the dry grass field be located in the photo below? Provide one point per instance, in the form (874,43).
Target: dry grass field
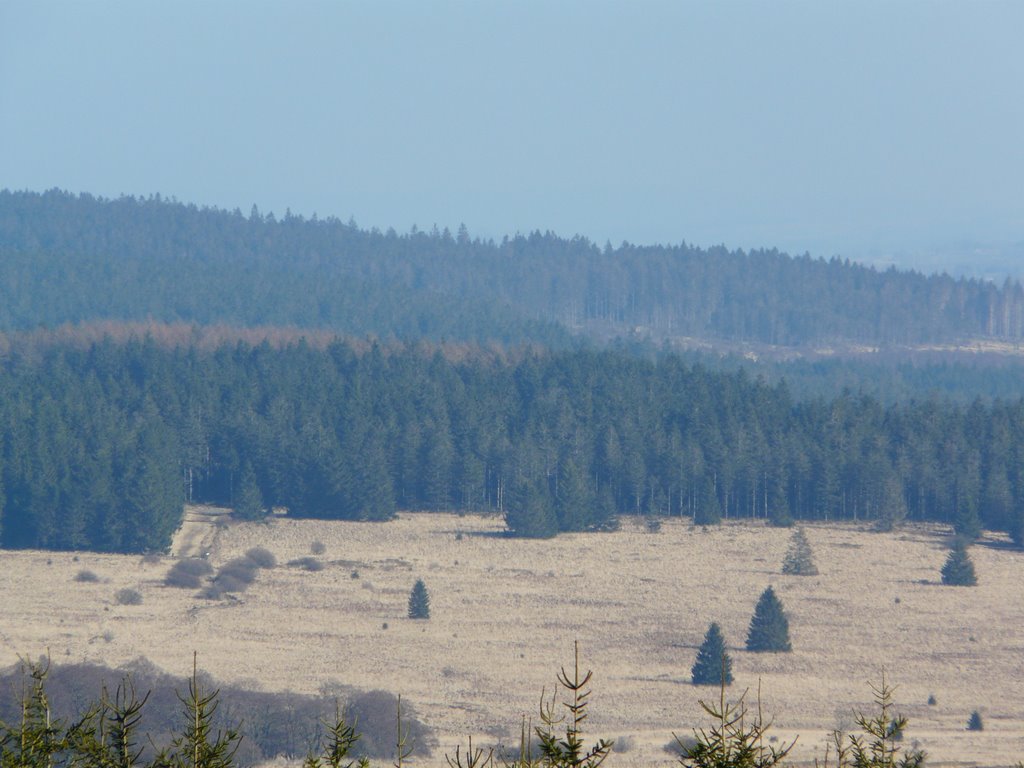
(505,614)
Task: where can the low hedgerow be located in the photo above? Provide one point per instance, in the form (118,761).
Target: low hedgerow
(306,564)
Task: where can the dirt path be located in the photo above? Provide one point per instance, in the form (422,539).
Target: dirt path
(198,533)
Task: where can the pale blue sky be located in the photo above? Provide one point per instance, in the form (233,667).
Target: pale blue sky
(856,128)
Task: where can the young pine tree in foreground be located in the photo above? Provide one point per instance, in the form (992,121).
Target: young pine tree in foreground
(713,665)
(419,601)
(958,570)
(769,627)
(878,744)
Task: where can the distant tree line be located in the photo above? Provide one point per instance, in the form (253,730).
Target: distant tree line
(68,258)
(103,443)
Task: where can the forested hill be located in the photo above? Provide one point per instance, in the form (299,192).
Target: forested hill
(70,258)
(102,444)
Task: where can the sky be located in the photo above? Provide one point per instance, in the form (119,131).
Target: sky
(874,130)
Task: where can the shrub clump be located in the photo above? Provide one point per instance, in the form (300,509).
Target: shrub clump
(261,557)
(235,575)
(128,596)
(317,548)
(86,577)
(188,573)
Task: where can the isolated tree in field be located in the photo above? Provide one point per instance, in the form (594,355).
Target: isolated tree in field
(958,570)
(974,723)
(769,627)
(713,665)
(419,601)
(799,559)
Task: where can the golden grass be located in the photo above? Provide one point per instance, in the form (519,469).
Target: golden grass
(505,614)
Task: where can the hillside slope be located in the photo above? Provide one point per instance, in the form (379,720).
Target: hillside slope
(70,258)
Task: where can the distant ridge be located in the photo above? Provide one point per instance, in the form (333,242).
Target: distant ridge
(78,258)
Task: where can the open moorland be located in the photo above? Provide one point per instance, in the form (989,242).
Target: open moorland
(505,613)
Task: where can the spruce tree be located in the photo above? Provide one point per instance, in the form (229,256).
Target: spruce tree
(769,627)
(958,570)
(249,504)
(530,513)
(709,511)
(713,665)
(799,557)
(419,601)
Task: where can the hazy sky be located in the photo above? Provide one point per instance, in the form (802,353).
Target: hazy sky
(849,128)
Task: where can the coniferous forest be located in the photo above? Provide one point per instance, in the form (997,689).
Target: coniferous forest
(476,376)
(68,258)
(104,442)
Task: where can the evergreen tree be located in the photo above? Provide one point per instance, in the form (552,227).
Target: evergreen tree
(708,511)
(574,501)
(958,569)
(799,557)
(530,513)
(249,501)
(975,723)
(419,601)
(713,665)
(769,627)
(1017,528)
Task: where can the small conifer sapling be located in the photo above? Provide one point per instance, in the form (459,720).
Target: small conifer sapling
(958,570)
(419,601)
(799,559)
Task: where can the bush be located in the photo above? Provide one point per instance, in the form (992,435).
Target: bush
(419,601)
(128,597)
(261,558)
(769,627)
(974,723)
(86,577)
(799,558)
(317,548)
(235,575)
(307,564)
(958,570)
(713,665)
(188,573)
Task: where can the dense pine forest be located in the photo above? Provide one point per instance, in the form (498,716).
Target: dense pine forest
(104,442)
(68,258)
